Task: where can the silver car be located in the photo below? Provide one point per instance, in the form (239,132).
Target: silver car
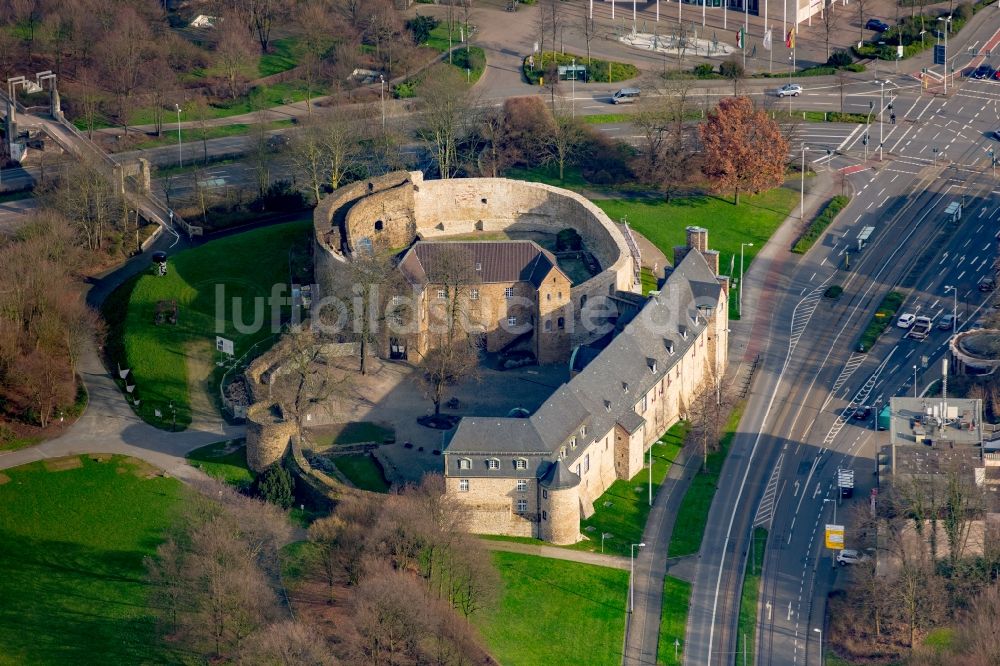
(790,90)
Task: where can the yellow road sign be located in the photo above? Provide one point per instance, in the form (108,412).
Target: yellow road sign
(835,537)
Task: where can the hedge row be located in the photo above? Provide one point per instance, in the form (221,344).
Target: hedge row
(597,70)
(907,32)
(819,225)
(880,320)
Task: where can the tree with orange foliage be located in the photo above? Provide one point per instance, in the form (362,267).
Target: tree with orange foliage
(744,148)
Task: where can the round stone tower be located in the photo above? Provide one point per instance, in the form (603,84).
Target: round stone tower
(560,502)
(268,435)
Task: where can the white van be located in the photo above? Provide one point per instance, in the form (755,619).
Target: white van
(625,96)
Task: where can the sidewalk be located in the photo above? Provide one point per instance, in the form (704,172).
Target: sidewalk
(556,553)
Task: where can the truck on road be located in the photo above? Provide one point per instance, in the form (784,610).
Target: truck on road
(921,327)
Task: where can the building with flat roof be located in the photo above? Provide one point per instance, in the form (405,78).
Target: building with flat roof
(930,435)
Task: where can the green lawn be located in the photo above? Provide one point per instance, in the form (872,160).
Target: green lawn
(625,516)
(195,136)
(71,550)
(556,612)
(283,56)
(673,621)
(225,461)
(242,267)
(753,221)
(748,599)
(689,526)
(363,471)
(549,175)
(438,39)
(355,432)
(649,281)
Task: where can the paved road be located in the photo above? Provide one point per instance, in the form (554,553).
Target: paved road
(791,441)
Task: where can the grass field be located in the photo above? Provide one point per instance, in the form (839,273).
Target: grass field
(195,136)
(363,471)
(355,432)
(225,461)
(244,267)
(673,621)
(625,518)
(71,549)
(549,174)
(689,526)
(556,612)
(748,599)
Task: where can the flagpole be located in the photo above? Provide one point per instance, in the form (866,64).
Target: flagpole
(770,52)
(703,4)
(725,13)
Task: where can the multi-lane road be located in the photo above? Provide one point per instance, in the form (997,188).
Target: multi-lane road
(797,431)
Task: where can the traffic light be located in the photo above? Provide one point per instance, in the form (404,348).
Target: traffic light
(890,106)
(864,140)
(871,105)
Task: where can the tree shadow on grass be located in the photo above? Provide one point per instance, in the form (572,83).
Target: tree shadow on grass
(64,603)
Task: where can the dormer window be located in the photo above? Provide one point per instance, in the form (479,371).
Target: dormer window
(442,294)
(669,346)
(464,463)
(572,442)
(624,387)
(562,453)
(492,463)
(683,331)
(508,292)
(583,431)
(520,463)
(607,405)
(651,364)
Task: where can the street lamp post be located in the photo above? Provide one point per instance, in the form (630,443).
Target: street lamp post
(802,192)
(914,380)
(574,86)
(381,88)
(954,310)
(881,106)
(180,150)
(947,26)
(605,535)
(820,632)
(739,306)
(631,578)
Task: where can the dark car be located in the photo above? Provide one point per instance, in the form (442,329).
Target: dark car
(876,25)
(984,71)
(863,413)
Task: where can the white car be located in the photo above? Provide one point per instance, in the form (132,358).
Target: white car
(790,89)
(849,556)
(906,320)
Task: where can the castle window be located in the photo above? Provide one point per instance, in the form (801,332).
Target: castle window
(492,463)
(561,323)
(611,289)
(520,463)
(484,200)
(644,403)
(545,494)
(548,325)
(463,485)
(522,506)
(474,295)
(508,292)
(586,463)
(577,469)
(479,266)
(548,297)
(378,225)
(545,516)
(559,295)
(464,463)
(442,294)
(512,321)
(583,301)
(522,485)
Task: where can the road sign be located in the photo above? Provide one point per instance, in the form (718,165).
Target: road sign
(939,54)
(223,345)
(835,537)
(845,478)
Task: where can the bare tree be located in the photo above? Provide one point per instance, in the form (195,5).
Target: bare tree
(562,144)
(447,116)
(287,643)
(259,17)
(666,156)
(495,130)
(339,135)
(326,534)
(308,156)
(234,54)
(123,53)
(829,24)
(589,32)
(863,7)
(445,364)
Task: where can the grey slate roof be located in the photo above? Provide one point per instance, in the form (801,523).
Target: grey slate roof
(606,391)
(558,477)
(438,262)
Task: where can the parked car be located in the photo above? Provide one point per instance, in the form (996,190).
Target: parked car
(625,96)
(996,75)
(876,25)
(996,134)
(851,556)
(947,322)
(906,320)
(863,413)
(984,71)
(789,90)
(921,328)
(987,284)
